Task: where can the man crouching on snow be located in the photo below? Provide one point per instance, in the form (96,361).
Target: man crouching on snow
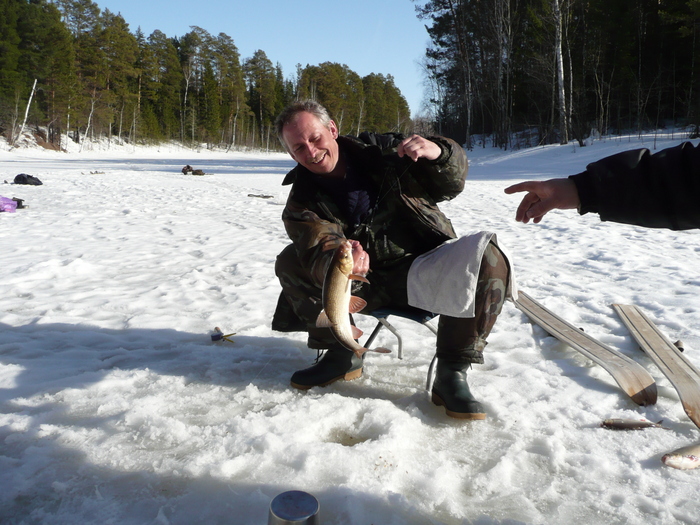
(380,191)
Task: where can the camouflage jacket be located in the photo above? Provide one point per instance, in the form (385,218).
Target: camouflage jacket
(405,220)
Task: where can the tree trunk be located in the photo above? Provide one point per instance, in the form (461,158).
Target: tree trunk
(561,92)
(26,111)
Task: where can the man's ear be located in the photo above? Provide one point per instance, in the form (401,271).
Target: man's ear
(333,129)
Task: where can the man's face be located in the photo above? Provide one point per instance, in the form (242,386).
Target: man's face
(312,144)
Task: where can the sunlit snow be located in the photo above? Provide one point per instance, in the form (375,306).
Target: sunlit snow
(117,408)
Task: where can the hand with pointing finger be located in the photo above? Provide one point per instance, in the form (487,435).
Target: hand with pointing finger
(544,196)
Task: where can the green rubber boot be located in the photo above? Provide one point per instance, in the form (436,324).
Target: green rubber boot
(451,390)
(337,363)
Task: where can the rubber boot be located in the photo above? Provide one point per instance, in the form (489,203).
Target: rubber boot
(337,363)
(451,390)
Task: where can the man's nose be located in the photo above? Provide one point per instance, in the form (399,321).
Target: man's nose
(311,150)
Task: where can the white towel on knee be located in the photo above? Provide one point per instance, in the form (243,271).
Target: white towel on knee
(443,280)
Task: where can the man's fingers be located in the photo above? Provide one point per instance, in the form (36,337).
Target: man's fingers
(529,200)
(417,147)
(360,258)
(521,186)
(410,149)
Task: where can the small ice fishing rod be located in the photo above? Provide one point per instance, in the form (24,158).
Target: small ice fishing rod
(218,335)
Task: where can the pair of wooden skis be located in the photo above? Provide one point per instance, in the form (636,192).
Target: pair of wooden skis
(634,380)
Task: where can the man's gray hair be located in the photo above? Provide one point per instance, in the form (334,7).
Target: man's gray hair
(289,113)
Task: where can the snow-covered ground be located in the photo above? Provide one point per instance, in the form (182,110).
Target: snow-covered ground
(117,408)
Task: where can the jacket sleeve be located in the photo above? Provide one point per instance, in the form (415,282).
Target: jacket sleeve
(636,187)
(443,178)
(314,238)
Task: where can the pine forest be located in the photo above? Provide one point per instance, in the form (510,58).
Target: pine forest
(501,72)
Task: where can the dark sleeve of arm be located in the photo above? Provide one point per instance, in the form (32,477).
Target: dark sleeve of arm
(636,187)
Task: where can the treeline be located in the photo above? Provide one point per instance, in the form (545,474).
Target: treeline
(97,79)
(556,70)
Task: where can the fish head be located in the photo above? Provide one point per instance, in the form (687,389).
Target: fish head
(342,258)
(681,461)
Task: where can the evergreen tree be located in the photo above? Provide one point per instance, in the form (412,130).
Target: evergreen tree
(232,89)
(9,62)
(262,97)
(210,107)
(163,100)
(121,52)
(48,57)
(339,89)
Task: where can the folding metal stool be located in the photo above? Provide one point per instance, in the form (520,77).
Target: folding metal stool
(414,314)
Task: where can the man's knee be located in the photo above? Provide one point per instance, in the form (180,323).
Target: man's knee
(494,264)
(492,289)
(287,261)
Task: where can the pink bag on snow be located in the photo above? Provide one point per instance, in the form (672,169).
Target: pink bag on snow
(8,204)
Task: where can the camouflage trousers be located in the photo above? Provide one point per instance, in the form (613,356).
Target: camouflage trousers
(459,339)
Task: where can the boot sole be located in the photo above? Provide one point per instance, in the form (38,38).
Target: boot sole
(349,376)
(457,415)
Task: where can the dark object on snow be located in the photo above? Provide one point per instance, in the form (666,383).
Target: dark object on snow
(20,203)
(31,180)
(294,506)
(189,169)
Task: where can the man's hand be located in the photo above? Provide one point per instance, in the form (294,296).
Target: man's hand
(544,196)
(361,259)
(418,147)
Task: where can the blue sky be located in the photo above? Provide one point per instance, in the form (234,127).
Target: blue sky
(369,36)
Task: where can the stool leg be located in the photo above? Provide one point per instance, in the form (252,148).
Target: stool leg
(394,331)
(431,371)
(373,335)
(429,325)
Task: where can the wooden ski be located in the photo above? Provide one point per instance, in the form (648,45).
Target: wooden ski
(634,380)
(672,363)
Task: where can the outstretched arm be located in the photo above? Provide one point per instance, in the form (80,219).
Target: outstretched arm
(544,196)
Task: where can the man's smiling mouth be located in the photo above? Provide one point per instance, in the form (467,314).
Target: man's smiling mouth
(318,158)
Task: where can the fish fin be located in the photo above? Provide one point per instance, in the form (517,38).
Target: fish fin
(356,304)
(379,350)
(356,332)
(358,278)
(322,321)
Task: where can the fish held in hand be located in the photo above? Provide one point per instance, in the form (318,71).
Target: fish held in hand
(339,303)
(630,424)
(684,458)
